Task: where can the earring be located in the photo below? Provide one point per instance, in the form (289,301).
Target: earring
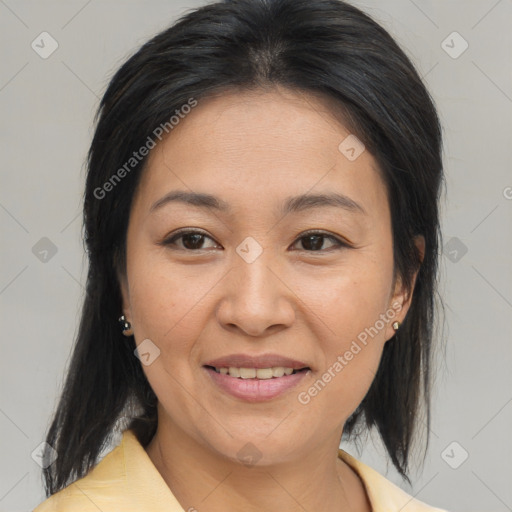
(126,326)
(396,325)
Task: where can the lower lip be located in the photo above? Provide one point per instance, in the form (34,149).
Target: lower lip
(255,390)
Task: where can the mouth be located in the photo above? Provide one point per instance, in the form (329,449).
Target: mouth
(255,384)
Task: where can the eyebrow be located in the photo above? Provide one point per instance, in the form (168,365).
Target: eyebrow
(291,204)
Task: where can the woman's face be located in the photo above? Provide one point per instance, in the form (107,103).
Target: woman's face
(251,282)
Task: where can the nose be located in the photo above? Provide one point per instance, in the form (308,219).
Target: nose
(256,300)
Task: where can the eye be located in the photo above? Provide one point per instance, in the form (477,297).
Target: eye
(191,240)
(312,241)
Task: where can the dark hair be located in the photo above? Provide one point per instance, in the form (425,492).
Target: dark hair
(324,47)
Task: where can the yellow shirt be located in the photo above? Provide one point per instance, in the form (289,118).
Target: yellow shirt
(126,480)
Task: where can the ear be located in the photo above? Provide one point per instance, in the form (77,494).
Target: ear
(401,298)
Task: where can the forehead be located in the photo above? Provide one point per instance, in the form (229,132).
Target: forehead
(256,147)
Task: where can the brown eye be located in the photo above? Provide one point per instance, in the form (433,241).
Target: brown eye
(190,240)
(313,241)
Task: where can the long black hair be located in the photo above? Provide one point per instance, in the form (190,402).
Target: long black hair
(325,47)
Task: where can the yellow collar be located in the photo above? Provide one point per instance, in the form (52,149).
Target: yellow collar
(126,479)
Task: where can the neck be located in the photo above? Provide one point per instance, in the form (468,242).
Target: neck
(316,480)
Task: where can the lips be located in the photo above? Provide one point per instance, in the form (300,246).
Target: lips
(254,390)
(259,361)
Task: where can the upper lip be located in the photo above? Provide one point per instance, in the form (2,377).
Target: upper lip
(260,361)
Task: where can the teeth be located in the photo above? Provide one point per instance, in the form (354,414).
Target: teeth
(247,373)
(255,373)
(264,373)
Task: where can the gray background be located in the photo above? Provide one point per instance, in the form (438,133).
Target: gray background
(47,111)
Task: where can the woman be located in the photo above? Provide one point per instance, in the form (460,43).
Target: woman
(261,217)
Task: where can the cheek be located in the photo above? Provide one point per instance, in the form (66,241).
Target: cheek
(351,335)
(347,299)
(165,297)
(171,305)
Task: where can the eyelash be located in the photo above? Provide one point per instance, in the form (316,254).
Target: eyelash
(340,244)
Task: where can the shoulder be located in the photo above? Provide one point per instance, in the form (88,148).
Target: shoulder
(383,494)
(93,491)
(125,479)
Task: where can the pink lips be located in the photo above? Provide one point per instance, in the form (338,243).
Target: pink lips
(255,390)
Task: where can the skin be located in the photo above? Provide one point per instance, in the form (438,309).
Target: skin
(253,150)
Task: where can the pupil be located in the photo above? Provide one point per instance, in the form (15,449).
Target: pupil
(313,245)
(195,237)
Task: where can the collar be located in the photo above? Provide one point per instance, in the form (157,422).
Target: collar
(126,479)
